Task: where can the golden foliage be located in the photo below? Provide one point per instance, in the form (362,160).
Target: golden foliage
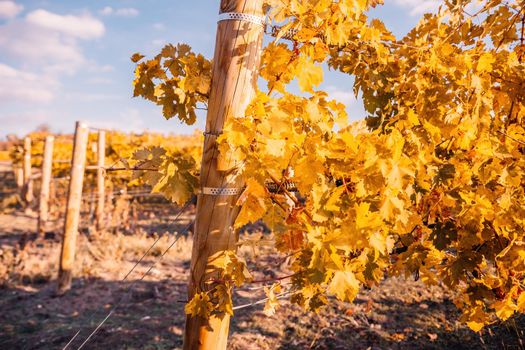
(434,188)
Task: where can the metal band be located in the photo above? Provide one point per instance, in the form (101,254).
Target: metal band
(228,16)
(206,133)
(224,191)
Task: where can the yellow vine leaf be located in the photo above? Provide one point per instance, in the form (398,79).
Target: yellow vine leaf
(344,285)
(311,74)
(199,305)
(272,303)
(485,63)
(252,201)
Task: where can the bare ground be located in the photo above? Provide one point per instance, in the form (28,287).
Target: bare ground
(401,314)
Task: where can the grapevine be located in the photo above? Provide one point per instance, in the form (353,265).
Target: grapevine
(432,187)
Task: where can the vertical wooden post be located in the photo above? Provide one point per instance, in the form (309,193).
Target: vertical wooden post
(19,176)
(43,205)
(101,154)
(74,197)
(234,79)
(28,181)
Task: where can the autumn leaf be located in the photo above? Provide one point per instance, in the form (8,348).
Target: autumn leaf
(199,305)
(272,303)
(485,63)
(275,147)
(344,285)
(252,201)
(311,74)
(136,57)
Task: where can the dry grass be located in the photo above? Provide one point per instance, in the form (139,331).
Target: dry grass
(100,257)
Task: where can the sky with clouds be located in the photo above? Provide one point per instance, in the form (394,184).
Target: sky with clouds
(62,61)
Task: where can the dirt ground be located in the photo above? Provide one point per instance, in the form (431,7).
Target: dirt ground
(401,314)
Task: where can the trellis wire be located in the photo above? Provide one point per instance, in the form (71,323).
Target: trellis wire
(92,128)
(132,269)
(178,236)
(94,196)
(262,301)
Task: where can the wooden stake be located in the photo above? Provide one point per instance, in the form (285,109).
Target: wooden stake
(43,206)
(234,78)
(28,181)
(101,150)
(19,176)
(67,255)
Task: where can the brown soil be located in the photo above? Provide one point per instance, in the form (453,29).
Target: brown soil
(400,314)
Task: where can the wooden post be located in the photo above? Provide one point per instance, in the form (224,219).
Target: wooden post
(234,79)
(101,154)
(28,181)
(19,176)
(43,205)
(67,255)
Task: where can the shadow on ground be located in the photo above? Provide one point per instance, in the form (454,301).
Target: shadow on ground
(150,316)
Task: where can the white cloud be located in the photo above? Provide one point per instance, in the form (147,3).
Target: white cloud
(49,41)
(98,68)
(100,81)
(159,26)
(9,9)
(16,85)
(127,12)
(106,11)
(22,123)
(44,46)
(159,42)
(82,27)
(106,68)
(122,12)
(128,120)
(32,45)
(90,97)
(346,97)
(419,7)
(354,106)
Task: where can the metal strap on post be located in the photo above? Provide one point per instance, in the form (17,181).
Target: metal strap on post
(209,133)
(221,191)
(235,16)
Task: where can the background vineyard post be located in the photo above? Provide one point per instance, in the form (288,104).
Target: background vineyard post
(72,215)
(101,156)
(43,205)
(18,171)
(27,191)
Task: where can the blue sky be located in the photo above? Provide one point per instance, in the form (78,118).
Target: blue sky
(62,61)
